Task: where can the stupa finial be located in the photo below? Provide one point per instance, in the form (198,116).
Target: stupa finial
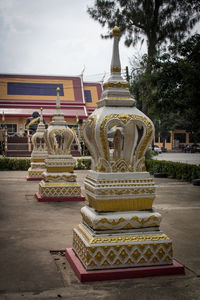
(3,117)
(116,89)
(116,31)
(41,115)
(58,100)
(115,63)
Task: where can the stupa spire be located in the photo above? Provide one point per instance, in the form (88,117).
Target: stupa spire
(41,115)
(115,63)
(116,90)
(3,117)
(58,100)
(58,116)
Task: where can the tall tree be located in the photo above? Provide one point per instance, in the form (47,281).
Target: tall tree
(175,81)
(157,21)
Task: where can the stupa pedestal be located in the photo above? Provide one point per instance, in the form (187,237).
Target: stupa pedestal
(37,168)
(120,229)
(39,153)
(119,236)
(59,181)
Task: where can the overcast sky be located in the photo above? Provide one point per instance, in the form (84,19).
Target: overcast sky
(54,37)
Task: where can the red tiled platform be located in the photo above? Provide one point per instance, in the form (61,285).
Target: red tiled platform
(34,178)
(113,274)
(58,199)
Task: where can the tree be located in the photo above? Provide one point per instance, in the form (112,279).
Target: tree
(157,21)
(175,81)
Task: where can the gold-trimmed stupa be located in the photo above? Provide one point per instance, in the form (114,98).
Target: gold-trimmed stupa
(119,228)
(39,153)
(59,181)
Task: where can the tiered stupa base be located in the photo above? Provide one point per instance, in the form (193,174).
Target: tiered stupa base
(59,191)
(38,166)
(124,248)
(119,233)
(123,273)
(124,253)
(59,181)
(35,174)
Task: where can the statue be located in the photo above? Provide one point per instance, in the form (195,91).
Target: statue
(32,123)
(118,144)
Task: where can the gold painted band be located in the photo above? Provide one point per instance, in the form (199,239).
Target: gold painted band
(120,239)
(121,204)
(59,169)
(38,159)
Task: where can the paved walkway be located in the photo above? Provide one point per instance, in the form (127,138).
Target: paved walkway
(29,230)
(189,158)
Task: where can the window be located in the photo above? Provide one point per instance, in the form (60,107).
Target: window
(88,97)
(40,89)
(11,128)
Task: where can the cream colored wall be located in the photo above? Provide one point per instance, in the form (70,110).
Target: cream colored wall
(18,121)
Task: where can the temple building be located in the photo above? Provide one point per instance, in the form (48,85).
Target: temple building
(21,95)
(176,140)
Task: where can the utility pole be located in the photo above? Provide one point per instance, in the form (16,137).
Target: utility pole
(127,74)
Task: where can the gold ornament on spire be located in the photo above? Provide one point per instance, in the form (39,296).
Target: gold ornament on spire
(116,31)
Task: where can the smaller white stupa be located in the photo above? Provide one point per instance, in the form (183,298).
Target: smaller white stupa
(59,181)
(39,153)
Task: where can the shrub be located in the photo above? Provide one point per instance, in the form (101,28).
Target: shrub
(7,163)
(175,170)
(14,163)
(83,164)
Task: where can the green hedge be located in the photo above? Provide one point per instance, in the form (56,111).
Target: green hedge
(7,163)
(175,170)
(14,163)
(83,164)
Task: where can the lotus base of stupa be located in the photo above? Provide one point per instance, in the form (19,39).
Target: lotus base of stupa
(123,273)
